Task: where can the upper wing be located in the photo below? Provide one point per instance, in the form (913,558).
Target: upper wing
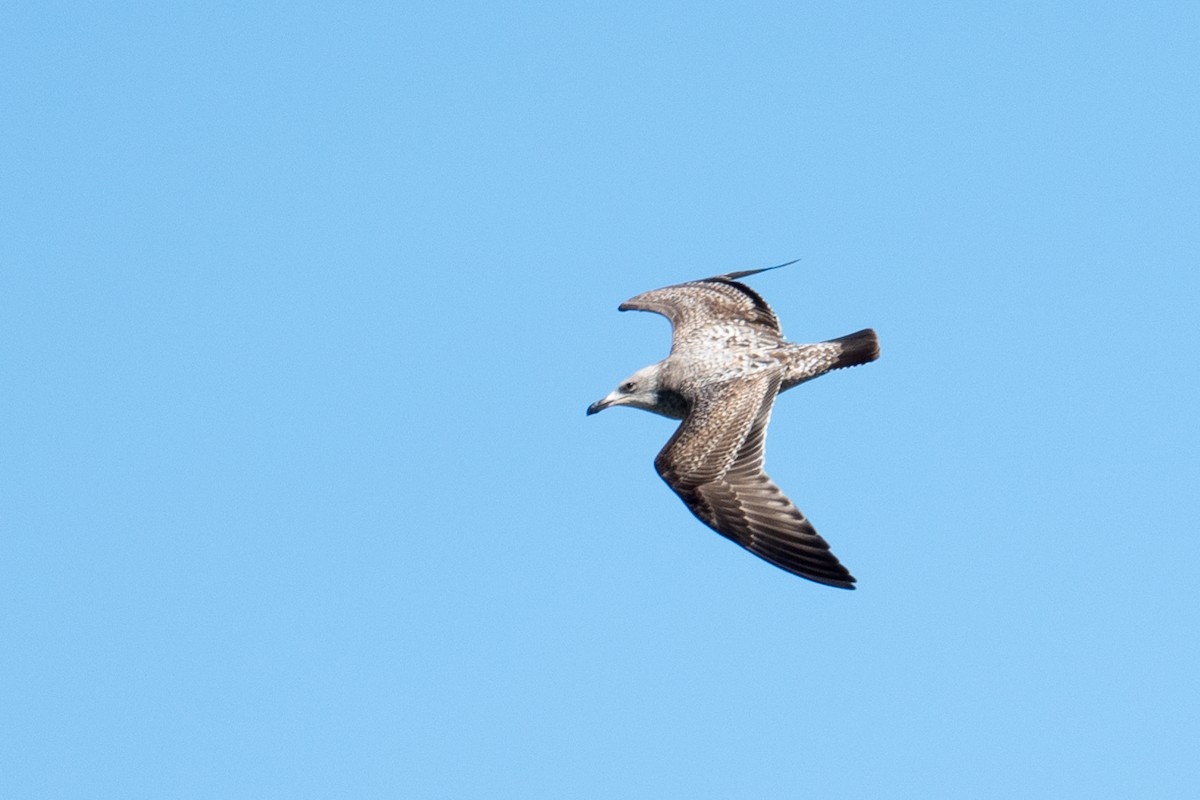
(696,304)
(709,439)
(729,491)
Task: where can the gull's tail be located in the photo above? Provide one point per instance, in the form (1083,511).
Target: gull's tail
(803,362)
(861,347)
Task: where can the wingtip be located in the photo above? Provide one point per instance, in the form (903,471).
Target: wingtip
(746,273)
(848,582)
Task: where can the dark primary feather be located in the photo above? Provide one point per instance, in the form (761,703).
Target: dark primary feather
(746,273)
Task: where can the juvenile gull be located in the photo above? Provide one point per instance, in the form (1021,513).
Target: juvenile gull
(728,361)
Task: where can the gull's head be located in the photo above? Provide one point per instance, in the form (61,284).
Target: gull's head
(642,390)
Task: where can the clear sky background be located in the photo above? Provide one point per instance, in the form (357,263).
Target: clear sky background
(301,307)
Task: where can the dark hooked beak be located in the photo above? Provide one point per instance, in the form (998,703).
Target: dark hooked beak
(598,406)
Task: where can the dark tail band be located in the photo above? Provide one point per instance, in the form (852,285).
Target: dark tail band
(861,347)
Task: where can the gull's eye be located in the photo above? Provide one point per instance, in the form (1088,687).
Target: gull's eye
(626,387)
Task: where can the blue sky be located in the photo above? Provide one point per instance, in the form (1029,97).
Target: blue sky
(301,307)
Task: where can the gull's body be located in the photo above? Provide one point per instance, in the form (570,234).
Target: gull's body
(727,364)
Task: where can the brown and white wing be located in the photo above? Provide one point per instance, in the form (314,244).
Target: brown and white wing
(717,469)
(698,304)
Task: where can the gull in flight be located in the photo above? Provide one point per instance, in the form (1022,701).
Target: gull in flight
(727,364)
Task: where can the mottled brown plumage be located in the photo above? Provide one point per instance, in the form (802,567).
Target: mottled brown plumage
(727,364)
